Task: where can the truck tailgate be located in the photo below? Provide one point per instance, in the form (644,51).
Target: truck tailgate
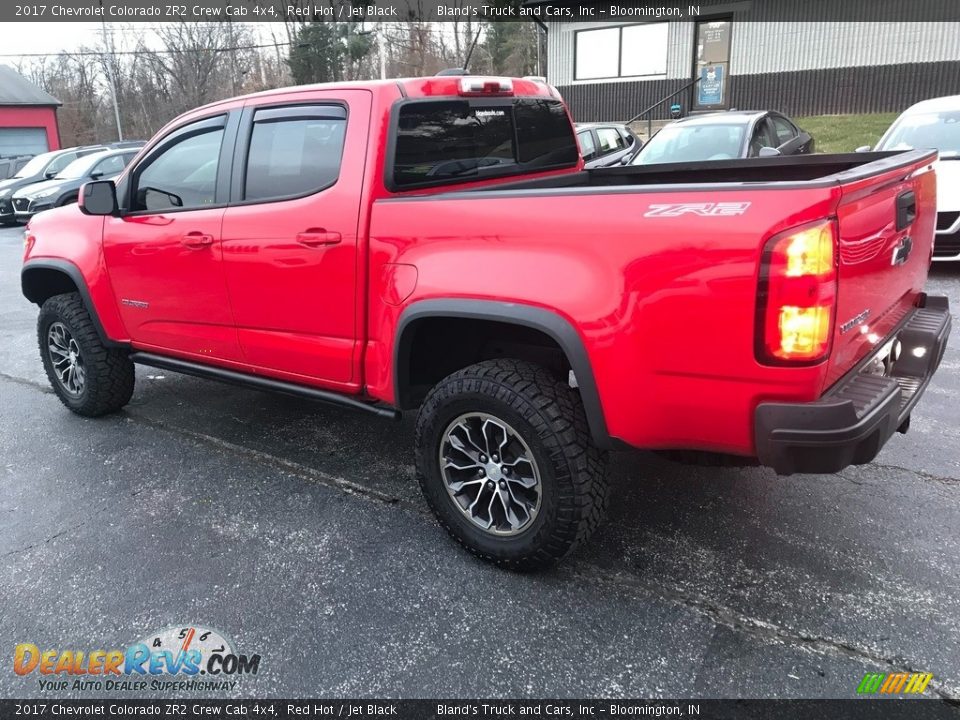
(886,217)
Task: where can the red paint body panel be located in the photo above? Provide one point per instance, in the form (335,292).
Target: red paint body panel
(33,117)
(665,306)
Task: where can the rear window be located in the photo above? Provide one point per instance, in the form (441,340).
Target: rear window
(444,141)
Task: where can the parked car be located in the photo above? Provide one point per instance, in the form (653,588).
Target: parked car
(65,186)
(10,166)
(934,124)
(725,136)
(42,167)
(605,144)
(354,244)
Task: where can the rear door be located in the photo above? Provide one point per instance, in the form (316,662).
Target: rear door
(886,223)
(290,236)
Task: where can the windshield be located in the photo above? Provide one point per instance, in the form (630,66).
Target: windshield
(79,167)
(686,143)
(35,166)
(926,131)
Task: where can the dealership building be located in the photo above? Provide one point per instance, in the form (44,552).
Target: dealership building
(746,55)
(28,116)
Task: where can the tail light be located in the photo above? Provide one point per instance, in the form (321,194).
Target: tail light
(797,294)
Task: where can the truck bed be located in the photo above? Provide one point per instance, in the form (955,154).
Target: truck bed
(658,266)
(811,170)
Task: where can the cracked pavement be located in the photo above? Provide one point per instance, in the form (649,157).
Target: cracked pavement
(297,529)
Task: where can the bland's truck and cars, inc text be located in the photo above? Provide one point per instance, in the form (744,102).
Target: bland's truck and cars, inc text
(445,250)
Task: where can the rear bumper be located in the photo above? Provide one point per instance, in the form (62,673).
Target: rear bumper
(856,417)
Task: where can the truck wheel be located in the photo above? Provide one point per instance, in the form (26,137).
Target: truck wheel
(505,461)
(89,378)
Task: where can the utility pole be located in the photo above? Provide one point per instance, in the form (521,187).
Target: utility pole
(113,80)
(382,49)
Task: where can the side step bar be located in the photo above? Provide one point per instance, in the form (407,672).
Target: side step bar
(256,382)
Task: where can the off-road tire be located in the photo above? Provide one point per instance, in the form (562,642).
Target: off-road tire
(549,417)
(109,373)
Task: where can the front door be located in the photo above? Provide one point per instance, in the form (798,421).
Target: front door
(290,236)
(164,254)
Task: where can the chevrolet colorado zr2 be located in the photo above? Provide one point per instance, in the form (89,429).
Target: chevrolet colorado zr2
(435,243)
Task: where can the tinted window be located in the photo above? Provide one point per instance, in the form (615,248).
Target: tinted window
(183,175)
(784,130)
(292,156)
(763,136)
(465,140)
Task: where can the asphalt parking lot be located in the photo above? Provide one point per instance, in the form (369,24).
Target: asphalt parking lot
(298,530)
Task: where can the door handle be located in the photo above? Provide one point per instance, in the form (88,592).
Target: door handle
(906,209)
(317,237)
(196,240)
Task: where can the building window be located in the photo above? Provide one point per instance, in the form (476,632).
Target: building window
(624,51)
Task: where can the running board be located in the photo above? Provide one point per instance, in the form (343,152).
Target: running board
(259,383)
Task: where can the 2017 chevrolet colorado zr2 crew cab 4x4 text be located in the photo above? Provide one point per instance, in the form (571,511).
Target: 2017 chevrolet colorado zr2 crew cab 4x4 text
(436,244)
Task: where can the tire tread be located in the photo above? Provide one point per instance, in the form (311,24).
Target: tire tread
(556,413)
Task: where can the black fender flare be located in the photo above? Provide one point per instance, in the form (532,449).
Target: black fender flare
(536,318)
(65,267)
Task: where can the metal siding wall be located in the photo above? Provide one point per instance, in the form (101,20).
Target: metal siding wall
(830,63)
(786,47)
(616,102)
(836,91)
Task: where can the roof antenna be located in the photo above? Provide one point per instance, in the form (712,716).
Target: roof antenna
(476,37)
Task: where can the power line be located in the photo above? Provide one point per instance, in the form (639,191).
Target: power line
(99,53)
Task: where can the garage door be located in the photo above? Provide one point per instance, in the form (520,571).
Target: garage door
(23,141)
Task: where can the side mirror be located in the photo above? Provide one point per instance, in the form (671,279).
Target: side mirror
(864,148)
(625,160)
(96,175)
(98,197)
(767,151)
(50,174)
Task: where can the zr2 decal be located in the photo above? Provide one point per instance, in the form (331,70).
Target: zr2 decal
(704,209)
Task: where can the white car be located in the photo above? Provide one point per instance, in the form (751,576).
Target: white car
(935,124)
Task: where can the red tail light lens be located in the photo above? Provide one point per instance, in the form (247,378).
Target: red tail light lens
(796,295)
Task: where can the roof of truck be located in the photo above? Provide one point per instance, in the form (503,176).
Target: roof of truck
(435,86)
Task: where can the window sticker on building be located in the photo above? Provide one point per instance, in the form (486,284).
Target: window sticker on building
(710,88)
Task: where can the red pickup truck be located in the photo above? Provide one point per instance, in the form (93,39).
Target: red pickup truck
(436,243)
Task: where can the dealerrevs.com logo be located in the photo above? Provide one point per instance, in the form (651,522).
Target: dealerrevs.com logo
(183,653)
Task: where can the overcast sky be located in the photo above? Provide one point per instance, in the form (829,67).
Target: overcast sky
(46,37)
(53,37)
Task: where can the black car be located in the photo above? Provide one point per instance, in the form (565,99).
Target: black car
(64,188)
(605,144)
(42,167)
(725,136)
